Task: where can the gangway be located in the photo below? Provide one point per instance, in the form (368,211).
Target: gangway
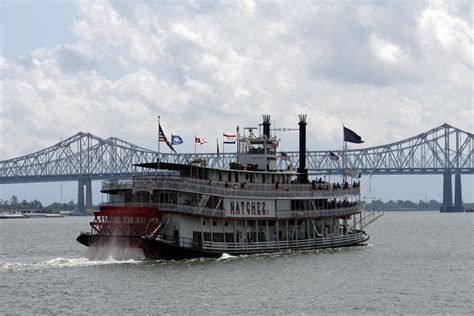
(369,216)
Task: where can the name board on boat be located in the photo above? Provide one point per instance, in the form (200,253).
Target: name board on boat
(249,208)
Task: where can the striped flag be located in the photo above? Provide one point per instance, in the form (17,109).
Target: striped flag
(162,138)
(162,135)
(229,138)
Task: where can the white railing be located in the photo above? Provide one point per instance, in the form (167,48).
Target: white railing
(283,244)
(219,188)
(368,217)
(172,208)
(317,213)
(211,212)
(117,184)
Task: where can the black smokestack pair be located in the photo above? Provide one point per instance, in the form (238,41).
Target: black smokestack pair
(266,126)
(303,172)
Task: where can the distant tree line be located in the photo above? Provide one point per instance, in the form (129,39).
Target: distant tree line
(409,205)
(15,204)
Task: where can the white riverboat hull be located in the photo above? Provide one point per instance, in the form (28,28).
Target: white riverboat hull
(167,248)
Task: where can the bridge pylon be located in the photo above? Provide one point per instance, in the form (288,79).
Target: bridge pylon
(458,194)
(448,194)
(81,207)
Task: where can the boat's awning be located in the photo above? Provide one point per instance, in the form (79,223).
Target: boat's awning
(181,167)
(170,166)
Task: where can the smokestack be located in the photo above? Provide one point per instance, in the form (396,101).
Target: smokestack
(303,177)
(266,126)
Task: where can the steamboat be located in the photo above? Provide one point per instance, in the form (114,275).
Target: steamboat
(191,210)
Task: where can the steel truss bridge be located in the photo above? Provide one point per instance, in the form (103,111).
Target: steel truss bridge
(84,157)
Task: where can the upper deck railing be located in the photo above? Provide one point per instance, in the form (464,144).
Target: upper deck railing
(288,190)
(220,213)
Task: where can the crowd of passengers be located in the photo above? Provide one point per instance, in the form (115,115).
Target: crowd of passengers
(315,185)
(341,204)
(191,202)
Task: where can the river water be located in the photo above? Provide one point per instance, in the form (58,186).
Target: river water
(415,262)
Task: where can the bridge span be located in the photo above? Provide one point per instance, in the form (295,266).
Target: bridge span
(84,157)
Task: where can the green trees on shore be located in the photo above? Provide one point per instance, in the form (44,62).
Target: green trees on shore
(408,205)
(14,204)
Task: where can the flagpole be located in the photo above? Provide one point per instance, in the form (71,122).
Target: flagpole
(194,145)
(158,163)
(218,151)
(343,155)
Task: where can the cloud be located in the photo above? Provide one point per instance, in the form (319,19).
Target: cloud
(384,50)
(205,67)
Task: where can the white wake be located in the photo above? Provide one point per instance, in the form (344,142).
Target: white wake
(61,263)
(226,256)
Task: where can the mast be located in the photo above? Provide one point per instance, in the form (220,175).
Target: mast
(344,148)
(158,159)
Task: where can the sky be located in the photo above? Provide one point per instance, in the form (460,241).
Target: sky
(387,69)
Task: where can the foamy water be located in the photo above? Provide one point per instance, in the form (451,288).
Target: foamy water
(122,254)
(61,263)
(226,256)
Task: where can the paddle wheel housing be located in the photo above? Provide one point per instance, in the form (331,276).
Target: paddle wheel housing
(124,221)
(121,226)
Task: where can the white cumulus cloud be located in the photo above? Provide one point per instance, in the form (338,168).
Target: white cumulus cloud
(205,66)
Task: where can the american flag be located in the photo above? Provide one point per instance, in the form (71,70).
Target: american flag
(162,135)
(162,138)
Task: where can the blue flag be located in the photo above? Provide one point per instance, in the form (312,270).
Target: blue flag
(351,136)
(176,140)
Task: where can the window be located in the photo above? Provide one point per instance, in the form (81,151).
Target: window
(218,237)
